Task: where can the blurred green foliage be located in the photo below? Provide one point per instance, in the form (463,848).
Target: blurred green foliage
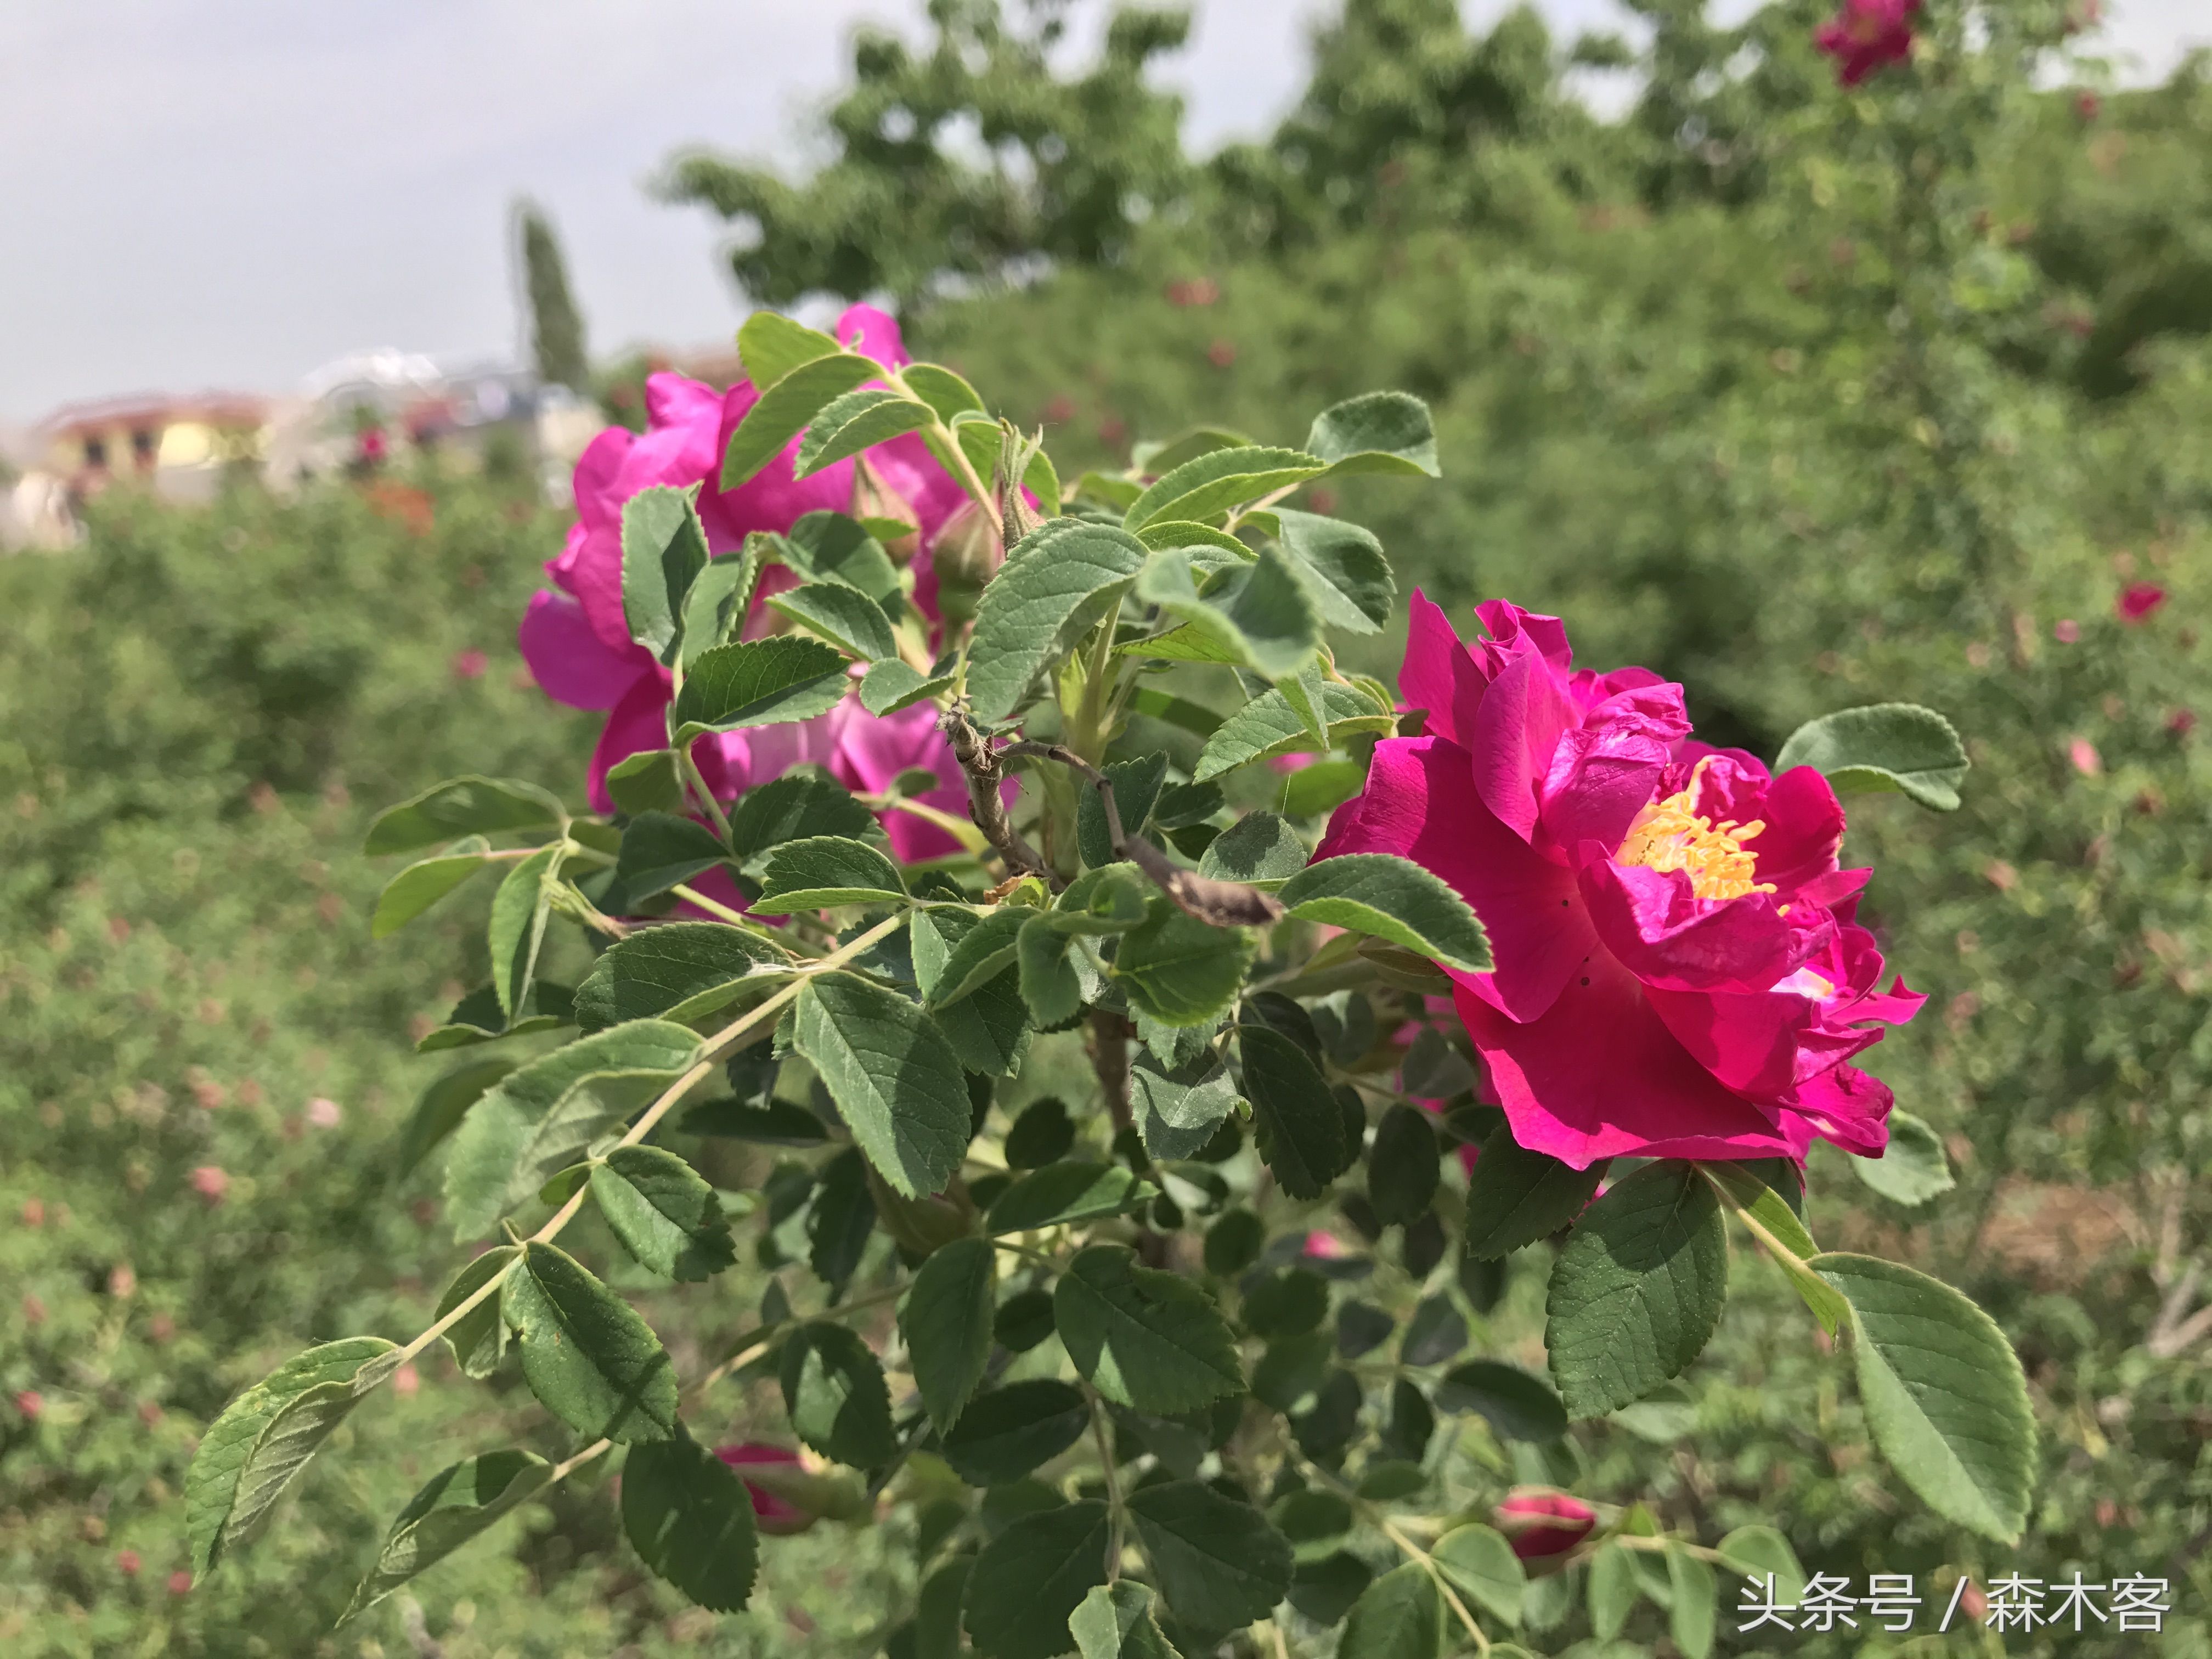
(1805,399)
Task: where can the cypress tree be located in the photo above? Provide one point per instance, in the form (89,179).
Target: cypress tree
(556,327)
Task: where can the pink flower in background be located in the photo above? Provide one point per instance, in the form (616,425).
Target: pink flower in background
(2138,601)
(2181,722)
(576,640)
(211,1183)
(325,1113)
(1538,1523)
(180,1582)
(2087,761)
(128,1561)
(1867,35)
(777,1515)
(2066,631)
(1679,972)
(469,665)
(29,1403)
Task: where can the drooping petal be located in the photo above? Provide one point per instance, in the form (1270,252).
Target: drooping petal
(873,333)
(567,658)
(597,468)
(1600,1076)
(1438,675)
(1420,804)
(1849,1107)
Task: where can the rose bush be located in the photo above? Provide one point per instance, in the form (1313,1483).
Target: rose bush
(1551,897)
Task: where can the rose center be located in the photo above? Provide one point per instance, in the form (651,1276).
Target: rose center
(1671,833)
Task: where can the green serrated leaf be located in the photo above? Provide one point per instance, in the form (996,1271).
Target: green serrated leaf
(442,1105)
(458,1503)
(1404,1165)
(1219,1563)
(1483,1568)
(1047,978)
(1260,848)
(858,420)
(479,1339)
(759,683)
(981,952)
(690,1517)
(892,686)
(1395,899)
(835,1394)
(1029,1580)
(1637,1290)
(946,1322)
(787,406)
(423,883)
(1400,1616)
(1943,1393)
(1912,1168)
(1067,1192)
(825,870)
(1762,1552)
(851,621)
(519,911)
(1115,1621)
(1267,727)
(1743,1189)
(1300,1125)
(1376,432)
(1342,569)
(659,851)
(1516,1406)
(716,608)
(946,393)
(664,549)
(1883,746)
(462,806)
(1179,971)
(539,1119)
(1144,1338)
(834,547)
(1692,1607)
(238,1472)
(796,806)
(1007,1433)
(1056,582)
(896,1081)
(770,345)
(680,971)
(1515,1197)
(1178,1110)
(1214,482)
(647,781)
(587,1355)
(1136,785)
(663,1211)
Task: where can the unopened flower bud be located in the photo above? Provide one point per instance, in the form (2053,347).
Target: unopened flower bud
(1539,1521)
(787,1497)
(966,553)
(872,498)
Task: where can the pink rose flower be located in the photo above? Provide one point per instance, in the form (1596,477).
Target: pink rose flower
(1679,972)
(469,665)
(576,641)
(1538,1523)
(180,1582)
(2066,631)
(777,1515)
(2138,601)
(211,1183)
(1867,35)
(2084,756)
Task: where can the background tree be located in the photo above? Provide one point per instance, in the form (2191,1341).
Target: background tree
(556,327)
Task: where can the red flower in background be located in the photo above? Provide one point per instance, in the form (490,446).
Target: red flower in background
(1867,35)
(1538,1523)
(2138,601)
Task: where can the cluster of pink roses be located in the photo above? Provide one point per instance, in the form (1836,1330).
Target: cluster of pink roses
(576,640)
(1867,35)
(1679,970)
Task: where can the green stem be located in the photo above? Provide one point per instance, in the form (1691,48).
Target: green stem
(1116,1513)
(697,781)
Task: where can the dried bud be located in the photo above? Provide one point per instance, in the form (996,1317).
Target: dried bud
(1539,1521)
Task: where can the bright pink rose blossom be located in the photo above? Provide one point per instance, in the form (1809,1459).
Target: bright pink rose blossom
(576,640)
(1867,35)
(2138,600)
(1538,1523)
(1678,974)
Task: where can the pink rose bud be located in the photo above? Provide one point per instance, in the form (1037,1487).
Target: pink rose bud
(406,1381)
(2087,761)
(325,1113)
(129,1562)
(180,1582)
(2181,722)
(211,1183)
(30,1403)
(2138,601)
(469,665)
(1538,1522)
(1327,1246)
(777,1515)
(2066,631)
(1867,34)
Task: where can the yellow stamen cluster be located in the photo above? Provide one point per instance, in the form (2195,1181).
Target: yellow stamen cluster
(1672,834)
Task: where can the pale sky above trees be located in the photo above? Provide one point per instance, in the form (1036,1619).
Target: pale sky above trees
(231,193)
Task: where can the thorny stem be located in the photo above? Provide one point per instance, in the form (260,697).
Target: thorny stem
(984,773)
(1223,903)
(1109,1059)
(1390,1530)
(723,1040)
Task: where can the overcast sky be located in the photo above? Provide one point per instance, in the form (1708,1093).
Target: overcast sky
(232,192)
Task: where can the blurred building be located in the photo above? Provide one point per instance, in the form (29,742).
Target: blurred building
(179,446)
